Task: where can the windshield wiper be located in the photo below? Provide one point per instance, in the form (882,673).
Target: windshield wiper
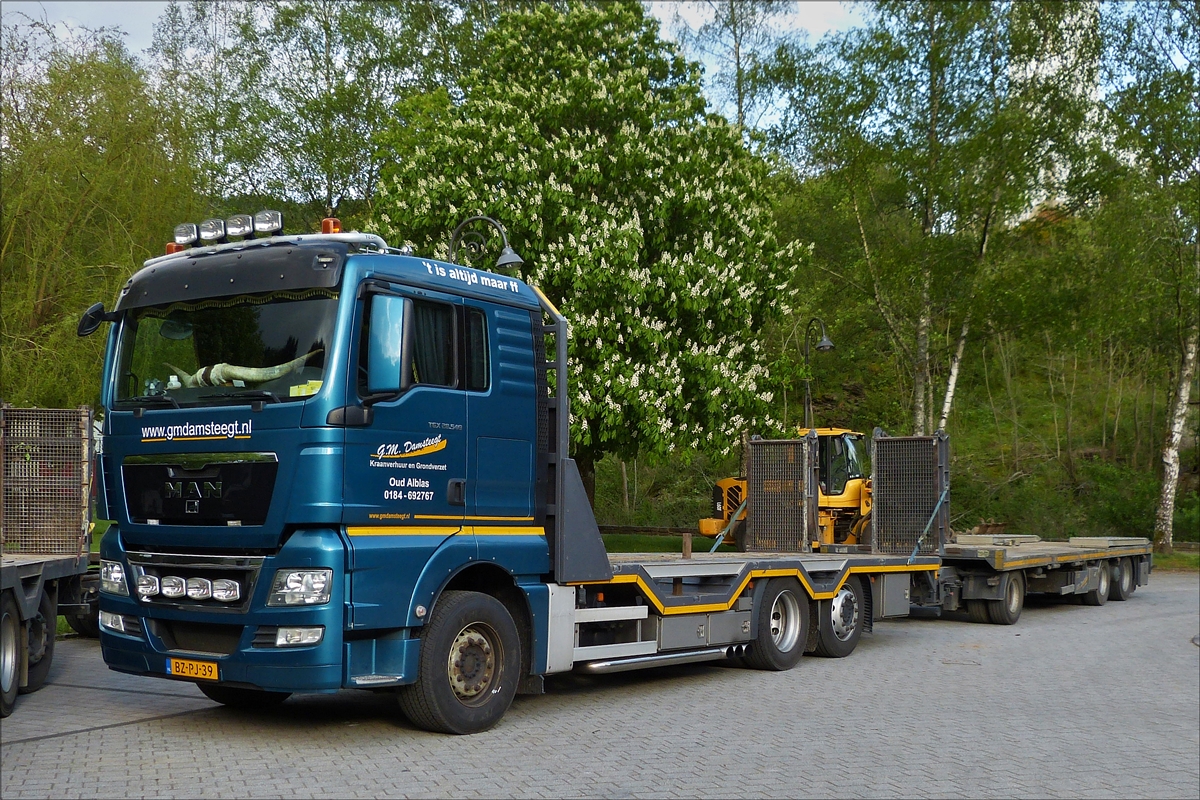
(152,398)
(248,394)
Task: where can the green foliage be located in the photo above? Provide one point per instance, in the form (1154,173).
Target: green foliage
(647,222)
(94,176)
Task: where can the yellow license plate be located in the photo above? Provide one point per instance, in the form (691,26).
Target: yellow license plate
(186,668)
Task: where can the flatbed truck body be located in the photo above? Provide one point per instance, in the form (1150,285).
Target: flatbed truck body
(369,487)
(45,484)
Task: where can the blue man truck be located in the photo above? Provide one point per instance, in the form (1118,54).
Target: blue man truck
(334,464)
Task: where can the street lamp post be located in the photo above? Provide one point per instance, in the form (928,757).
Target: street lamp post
(824,345)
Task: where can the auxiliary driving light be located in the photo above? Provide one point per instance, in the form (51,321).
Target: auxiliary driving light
(112,622)
(173,586)
(239,225)
(225,590)
(199,588)
(268,222)
(212,230)
(296,637)
(147,586)
(187,233)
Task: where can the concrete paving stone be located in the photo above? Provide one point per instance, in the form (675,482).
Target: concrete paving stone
(894,720)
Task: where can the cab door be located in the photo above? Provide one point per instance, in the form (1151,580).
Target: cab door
(406,470)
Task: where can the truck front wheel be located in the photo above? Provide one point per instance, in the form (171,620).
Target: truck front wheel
(10,656)
(782,626)
(469,665)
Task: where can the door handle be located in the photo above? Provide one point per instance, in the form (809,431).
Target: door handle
(456,492)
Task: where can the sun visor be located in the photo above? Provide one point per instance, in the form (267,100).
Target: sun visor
(243,271)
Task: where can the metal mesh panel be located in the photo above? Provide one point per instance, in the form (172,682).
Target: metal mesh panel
(909,475)
(780,514)
(45,480)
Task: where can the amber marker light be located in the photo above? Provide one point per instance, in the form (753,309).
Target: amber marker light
(331,225)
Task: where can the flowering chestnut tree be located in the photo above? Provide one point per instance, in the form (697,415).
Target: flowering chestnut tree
(644,219)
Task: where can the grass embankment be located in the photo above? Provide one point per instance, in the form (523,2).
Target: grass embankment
(1177,562)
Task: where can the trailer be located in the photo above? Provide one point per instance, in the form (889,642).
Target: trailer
(44,538)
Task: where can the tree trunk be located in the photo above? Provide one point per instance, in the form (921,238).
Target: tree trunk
(952,381)
(1165,514)
(921,367)
(625,486)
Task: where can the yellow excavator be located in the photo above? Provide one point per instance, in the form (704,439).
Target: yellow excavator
(843,501)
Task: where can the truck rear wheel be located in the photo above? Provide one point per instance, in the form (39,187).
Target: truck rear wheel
(1121,579)
(1007,610)
(10,656)
(977,611)
(1099,595)
(42,630)
(782,626)
(841,620)
(469,665)
(240,697)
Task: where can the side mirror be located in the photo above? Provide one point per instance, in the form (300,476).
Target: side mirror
(92,318)
(389,357)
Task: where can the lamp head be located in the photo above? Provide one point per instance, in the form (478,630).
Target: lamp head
(508,258)
(825,344)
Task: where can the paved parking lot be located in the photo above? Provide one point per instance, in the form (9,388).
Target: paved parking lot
(1071,702)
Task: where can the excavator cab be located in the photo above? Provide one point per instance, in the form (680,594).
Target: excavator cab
(843,500)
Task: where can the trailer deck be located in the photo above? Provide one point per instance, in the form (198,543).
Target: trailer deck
(1003,553)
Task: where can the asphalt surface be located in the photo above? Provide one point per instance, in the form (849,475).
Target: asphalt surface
(1072,701)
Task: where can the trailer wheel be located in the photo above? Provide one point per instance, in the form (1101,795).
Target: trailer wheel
(782,626)
(1121,578)
(469,665)
(42,629)
(240,697)
(10,656)
(841,621)
(1007,610)
(977,611)
(1099,595)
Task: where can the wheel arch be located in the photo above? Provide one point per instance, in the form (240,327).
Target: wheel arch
(497,582)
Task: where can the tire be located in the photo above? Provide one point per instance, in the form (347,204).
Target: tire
(42,630)
(841,620)
(1007,610)
(1121,580)
(239,697)
(469,666)
(1099,595)
(783,621)
(977,610)
(10,656)
(739,536)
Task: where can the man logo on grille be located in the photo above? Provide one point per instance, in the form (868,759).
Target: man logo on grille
(192,490)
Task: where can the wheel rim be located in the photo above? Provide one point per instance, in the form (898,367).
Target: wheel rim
(472,666)
(1103,587)
(1126,577)
(8,652)
(844,614)
(785,622)
(1014,596)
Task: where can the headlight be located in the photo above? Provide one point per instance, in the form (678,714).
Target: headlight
(112,578)
(300,587)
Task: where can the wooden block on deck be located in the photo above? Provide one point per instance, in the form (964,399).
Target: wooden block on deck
(1107,541)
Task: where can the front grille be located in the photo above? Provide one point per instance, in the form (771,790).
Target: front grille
(242,569)
(199,637)
(781,482)
(45,480)
(133,625)
(200,488)
(909,475)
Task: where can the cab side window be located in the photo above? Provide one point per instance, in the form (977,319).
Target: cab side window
(478,377)
(433,351)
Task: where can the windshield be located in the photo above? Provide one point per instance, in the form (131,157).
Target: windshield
(269,347)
